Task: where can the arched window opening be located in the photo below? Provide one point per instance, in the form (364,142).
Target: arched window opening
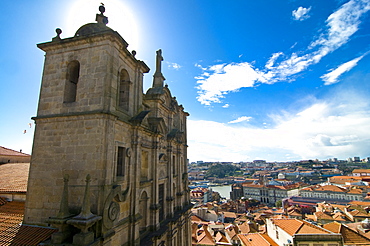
(143,210)
(144,165)
(161,202)
(73,73)
(124,90)
(174,165)
(121,161)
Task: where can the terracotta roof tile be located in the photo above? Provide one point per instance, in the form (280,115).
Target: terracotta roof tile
(205,238)
(340,217)
(357,213)
(32,235)
(360,203)
(220,238)
(350,237)
(14,177)
(355,191)
(295,226)
(331,188)
(361,171)
(10,152)
(12,232)
(229,214)
(11,216)
(2,201)
(323,216)
(256,239)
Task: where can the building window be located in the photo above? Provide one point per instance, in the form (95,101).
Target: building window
(174,165)
(143,210)
(73,73)
(121,161)
(124,90)
(144,165)
(161,201)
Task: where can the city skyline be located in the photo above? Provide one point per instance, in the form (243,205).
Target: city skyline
(278,81)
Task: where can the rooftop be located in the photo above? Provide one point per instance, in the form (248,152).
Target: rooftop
(350,237)
(14,177)
(12,232)
(10,152)
(294,226)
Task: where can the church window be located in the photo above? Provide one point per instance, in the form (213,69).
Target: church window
(144,165)
(73,73)
(161,201)
(174,164)
(143,210)
(121,161)
(124,90)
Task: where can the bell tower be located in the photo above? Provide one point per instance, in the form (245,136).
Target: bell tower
(108,161)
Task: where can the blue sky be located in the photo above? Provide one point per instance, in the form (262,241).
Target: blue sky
(267,79)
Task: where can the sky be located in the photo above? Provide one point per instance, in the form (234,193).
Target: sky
(262,80)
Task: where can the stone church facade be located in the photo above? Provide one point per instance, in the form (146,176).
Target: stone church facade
(108,163)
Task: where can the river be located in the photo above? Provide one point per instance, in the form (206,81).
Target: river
(223,190)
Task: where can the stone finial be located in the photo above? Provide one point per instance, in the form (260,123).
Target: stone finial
(57,37)
(64,209)
(60,222)
(101,18)
(133,53)
(85,211)
(85,219)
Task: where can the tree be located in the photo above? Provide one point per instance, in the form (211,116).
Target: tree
(221,171)
(279,203)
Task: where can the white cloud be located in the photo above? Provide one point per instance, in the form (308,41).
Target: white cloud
(324,130)
(270,63)
(301,13)
(226,105)
(240,119)
(173,65)
(221,79)
(332,77)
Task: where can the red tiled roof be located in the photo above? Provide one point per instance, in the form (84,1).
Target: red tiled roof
(2,201)
(350,236)
(360,203)
(294,226)
(14,177)
(256,239)
(10,152)
(32,235)
(361,171)
(323,216)
(355,191)
(331,188)
(11,216)
(12,232)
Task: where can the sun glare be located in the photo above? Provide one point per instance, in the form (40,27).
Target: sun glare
(120,19)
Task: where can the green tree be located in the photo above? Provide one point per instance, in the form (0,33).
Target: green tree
(279,203)
(221,171)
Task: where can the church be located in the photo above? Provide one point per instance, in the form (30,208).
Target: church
(109,162)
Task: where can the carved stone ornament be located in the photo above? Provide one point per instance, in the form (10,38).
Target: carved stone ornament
(116,195)
(128,152)
(113,211)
